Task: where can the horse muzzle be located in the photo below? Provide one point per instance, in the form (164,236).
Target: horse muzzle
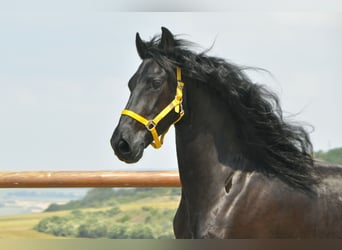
(126,148)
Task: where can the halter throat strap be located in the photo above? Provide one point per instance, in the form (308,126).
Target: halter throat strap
(151,125)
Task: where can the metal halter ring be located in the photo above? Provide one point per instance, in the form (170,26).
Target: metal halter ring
(150,125)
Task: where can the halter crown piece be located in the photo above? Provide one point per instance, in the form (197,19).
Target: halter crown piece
(151,125)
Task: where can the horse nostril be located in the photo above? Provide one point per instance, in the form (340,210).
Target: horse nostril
(124,147)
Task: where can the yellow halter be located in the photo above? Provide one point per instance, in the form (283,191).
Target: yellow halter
(151,125)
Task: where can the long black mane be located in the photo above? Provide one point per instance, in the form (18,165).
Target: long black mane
(279,148)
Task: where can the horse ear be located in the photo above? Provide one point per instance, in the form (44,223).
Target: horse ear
(167,42)
(141,46)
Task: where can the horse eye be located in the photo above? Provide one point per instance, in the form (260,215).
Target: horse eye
(156,84)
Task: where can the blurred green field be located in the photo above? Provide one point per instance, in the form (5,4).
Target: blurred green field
(22,226)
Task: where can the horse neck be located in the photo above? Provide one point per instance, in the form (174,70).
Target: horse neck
(207,144)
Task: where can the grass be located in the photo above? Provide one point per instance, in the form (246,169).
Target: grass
(21,226)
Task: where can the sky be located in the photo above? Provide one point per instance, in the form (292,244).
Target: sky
(64,75)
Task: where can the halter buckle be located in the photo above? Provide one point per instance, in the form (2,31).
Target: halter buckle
(150,125)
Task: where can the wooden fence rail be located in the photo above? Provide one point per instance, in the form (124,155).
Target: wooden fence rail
(64,179)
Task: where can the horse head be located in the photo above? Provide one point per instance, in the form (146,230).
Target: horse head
(155,102)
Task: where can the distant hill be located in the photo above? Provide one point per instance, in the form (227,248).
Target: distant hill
(332,156)
(144,213)
(102,197)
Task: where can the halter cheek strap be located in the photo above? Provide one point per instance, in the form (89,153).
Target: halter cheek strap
(151,125)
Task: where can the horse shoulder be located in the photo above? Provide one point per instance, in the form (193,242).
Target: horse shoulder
(267,208)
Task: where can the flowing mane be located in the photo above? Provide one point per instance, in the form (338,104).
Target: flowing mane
(279,148)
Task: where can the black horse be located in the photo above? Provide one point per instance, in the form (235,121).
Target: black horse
(245,171)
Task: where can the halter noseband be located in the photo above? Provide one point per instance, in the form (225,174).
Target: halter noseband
(151,125)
